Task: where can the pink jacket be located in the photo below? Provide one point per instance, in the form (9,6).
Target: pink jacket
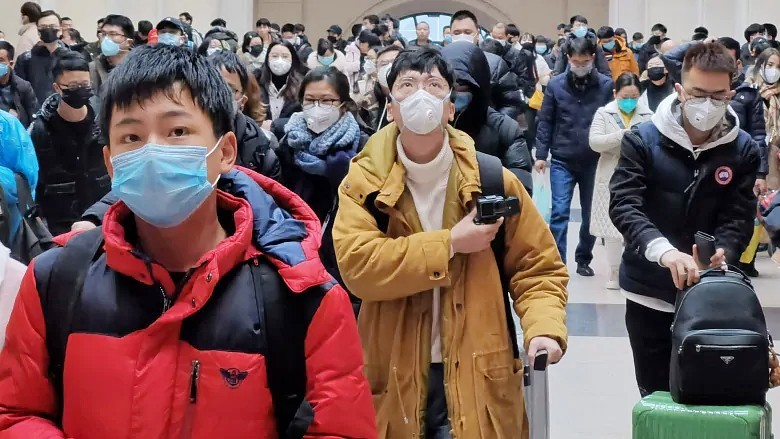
(11,274)
(352,64)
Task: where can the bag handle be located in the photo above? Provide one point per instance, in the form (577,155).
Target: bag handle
(730,269)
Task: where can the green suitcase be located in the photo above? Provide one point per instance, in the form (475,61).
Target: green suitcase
(658,417)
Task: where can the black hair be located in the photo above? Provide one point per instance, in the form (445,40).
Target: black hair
(381,29)
(122,22)
(151,70)
(626,80)
(391,41)
(369,37)
(373,19)
(731,44)
(638,36)
(248,39)
(567,28)
(324,45)
(300,28)
(294,76)
(699,37)
(50,13)
(68,61)
(421,61)
(541,39)
(263,22)
(759,45)
(709,57)
(144,27)
(755,28)
(32,11)
(288,27)
(356,29)
(605,32)
(580,46)
(561,26)
(187,16)
(446,27)
(701,30)
(464,15)
(578,18)
(622,32)
(100,21)
(275,26)
(659,27)
(67,18)
(771,30)
(335,79)
(512,30)
(492,46)
(8,47)
(75,35)
(218,22)
(232,63)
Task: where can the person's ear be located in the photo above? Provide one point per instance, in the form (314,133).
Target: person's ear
(450,110)
(390,117)
(57,88)
(229,151)
(614,94)
(107,161)
(244,100)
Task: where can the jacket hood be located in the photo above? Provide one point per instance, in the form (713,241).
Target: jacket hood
(269,219)
(471,68)
(668,120)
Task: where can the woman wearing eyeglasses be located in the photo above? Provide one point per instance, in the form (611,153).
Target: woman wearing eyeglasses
(320,141)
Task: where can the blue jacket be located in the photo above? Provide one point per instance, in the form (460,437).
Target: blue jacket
(563,123)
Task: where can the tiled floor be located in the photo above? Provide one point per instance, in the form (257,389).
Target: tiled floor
(592,391)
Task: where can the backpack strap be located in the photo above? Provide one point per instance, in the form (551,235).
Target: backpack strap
(62,292)
(491,175)
(619,120)
(287,318)
(39,238)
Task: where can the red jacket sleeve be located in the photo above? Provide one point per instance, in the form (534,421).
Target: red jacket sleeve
(27,400)
(336,387)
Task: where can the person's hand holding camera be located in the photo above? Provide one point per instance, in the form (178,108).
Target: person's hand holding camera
(468,237)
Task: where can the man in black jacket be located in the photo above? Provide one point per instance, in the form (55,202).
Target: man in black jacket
(689,170)
(493,132)
(35,66)
(579,29)
(69,145)
(16,95)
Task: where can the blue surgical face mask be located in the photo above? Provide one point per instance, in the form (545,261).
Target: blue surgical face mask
(163,184)
(448,39)
(109,47)
(169,39)
(608,46)
(327,60)
(627,105)
(541,49)
(580,31)
(638,46)
(462,100)
(4,69)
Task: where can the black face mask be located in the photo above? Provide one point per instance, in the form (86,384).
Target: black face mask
(48,35)
(256,50)
(77,97)
(332,38)
(531,47)
(656,73)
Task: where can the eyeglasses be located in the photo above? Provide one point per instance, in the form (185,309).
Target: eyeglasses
(308,104)
(75,86)
(114,35)
(717,99)
(405,87)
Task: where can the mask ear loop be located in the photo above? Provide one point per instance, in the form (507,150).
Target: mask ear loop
(213,185)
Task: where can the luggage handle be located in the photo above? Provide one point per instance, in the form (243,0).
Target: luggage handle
(540,361)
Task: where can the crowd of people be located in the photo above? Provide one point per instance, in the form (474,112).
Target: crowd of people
(275,235)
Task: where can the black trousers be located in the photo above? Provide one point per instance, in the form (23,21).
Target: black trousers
(649,332)
(437,424)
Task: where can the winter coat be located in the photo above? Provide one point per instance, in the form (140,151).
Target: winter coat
(652,94)
(24,99)
(73,174)
(622,60)
(128,364)
(601,64)
(28,38)
(606,134)
(506,92)
(563,123)
(35,67)
(11,274)
(395,271)
(339,62)
(663,189)
(99,69)
(352,61)
(749,106)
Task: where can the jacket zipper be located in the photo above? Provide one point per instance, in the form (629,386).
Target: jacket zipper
(189,414)
(194,376)
(166,300)
(689,191)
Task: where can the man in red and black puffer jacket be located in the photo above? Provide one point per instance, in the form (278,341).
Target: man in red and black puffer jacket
(181,316)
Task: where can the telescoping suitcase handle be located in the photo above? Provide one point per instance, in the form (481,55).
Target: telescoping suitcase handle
(537,398)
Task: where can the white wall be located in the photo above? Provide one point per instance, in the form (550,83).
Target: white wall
(721,17)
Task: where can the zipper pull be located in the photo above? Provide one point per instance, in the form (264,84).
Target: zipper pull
(698,348)
(693,183)
(771,342)
(166,300)
(194,375)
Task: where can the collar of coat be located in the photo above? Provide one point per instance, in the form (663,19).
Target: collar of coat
(380,170)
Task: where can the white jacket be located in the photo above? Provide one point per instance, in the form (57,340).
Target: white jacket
(340,62)
(11,274)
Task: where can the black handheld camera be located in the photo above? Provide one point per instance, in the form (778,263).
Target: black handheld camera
(491,208)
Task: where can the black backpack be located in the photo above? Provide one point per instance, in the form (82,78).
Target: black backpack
(720,343)
(491,174)
(287,318)
(32,238)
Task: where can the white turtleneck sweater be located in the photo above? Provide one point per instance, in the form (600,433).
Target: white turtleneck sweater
(427,183)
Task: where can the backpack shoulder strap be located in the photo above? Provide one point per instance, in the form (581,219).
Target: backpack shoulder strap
(61,293)
(287,317)
(649,133)
(491,176)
